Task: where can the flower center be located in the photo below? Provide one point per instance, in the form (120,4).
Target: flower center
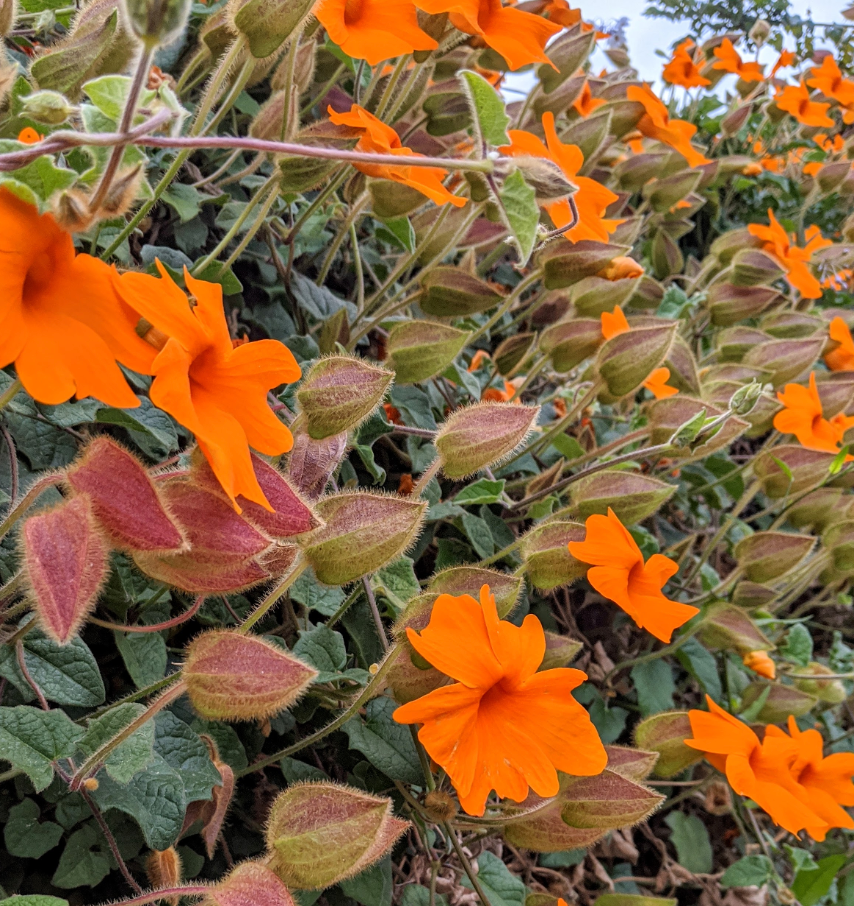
(353,11)
(38,275)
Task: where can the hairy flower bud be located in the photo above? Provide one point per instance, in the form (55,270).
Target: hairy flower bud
(249,884)
(267,24)
(157,22)
(468,580)
(311,463)
(362,533)
(728,628)
(607,801)
(634,764)
(567,53)
(545,831)
(231,676)
(667,416)
(665,734)
(663,194)
(809,679)
(839,540)
(780,702)
(126,502)
(548,562)
(511,352)
(569,343)
(785,359)
(163,868)
(627,359)
(789,469)
(560,651)
(320,833)
(452,293)
(764,556)
(831,176)
(751,595)
(636,171)
(734,121)
(65,564)
(48,107)
(565,263)
(667,258)
(419,350)
(478,436)
(631,495)
(752,267)
(339,393)
(729,304)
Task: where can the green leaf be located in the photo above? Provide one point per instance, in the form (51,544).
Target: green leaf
(324,649)
(311,594)
(144,655)
(521,213)
(418,895)
(43,445)
(34,899)
(25,836)
(83,861)
(372,887)
(701,664)
(151,429)
(402,231)
(108,94)
(71,414)
(30,739)
(366,454)
(477,531)
(798,646)
(811,885)
(134,754)
(318,301)
(414,405)
(751,871)
(488,110)
(655,686)
(483,491)
(154,799)
(501,886)
(691,839)
(568,446)
(397,582)
(386,744)
(186,201)
(183,750)
(66,674)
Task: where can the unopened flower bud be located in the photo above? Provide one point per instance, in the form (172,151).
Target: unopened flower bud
(157,22)
(593,295)
(729,304)
(419,350)
(648,293)
(781,702)
(839,540)
(548,562)
(627,359)
(560,651)
(608,801)
(64,566)
(569,343)
(681,415)
(636,171)
(311,463)
(727,245)
(362,533)
(543,176)
(631,495)
(790,469)
(667,258)
(468,580)
(816,510)
(478,436)
(665,734)
(567,53)
(743,401)
(231,676)
(8,15)
(760,31)
(752,267)
(163,868)
(267,24)
(765,556)
(734,121)
(785,359)
(440,806)
(48,107)
(545,831)
(320,833)
(728,628)
(72,213)
(832,175)
(565,263)
(339,393)
(634,764)
(663,194)
(511,352)
(809,679)
(249,883)
(452,293)
(760,662)
(122,193)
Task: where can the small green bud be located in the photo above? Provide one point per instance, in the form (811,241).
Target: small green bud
(632,496)
(419,350)
(765,556)
(548,561)
(665,734)
(48,107)
(452,293)
(728,628)
(627,360)
(157,22)
(781,703)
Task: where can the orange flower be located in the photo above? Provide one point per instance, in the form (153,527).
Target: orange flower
(761,663)
(622,268)
(374,30)
(825,782)
(29,136)
(585,103)
(503,725)
(841,358)
(613,323)
(480,356)
(657,384)
(683,70)
(803,416)
(777,242)
(729,60)
(620,574)
(753,169)
(61,322)
(591,199)
(519,37)
(786,58)
(215,390)
(828,79)
(378,138)
(795,99)
(656,124)
(828,144)
(759,771)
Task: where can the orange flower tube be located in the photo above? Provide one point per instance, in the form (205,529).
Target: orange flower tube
(776,242)
(657,124)
(841,358)
(803,416)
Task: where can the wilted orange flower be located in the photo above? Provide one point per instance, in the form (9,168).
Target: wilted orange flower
(61,322)
(480,356)
(683,70)
(803,416)
(392,413)
(656,124)
(620,574)
(786,58)
(759,771)
(520,37)
(795,99)
(503,725)
(373,30)
(378,138)
(776,242)
(216,391)
(585,103)
(825,782)
(729,60)
(841,358)
(613,323)
(591,198)
(621,268)
(828,79)
(29,136)
(760,662)
(657,384)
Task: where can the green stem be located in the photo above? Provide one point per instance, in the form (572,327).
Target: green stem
(467,866)
(36,489)
(516,293)
(346,604)
(165,893)
(427,477)
(10,393)
(273,597)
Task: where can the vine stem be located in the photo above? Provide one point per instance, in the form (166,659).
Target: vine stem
(426,478)
(10,393)
(156,627)
(165,893)
(36,489)
(468,868)
(273,597)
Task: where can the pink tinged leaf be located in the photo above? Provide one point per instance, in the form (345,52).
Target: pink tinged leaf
(124,499)
(250,884)
(217,808)
(65,559)
(203,573)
